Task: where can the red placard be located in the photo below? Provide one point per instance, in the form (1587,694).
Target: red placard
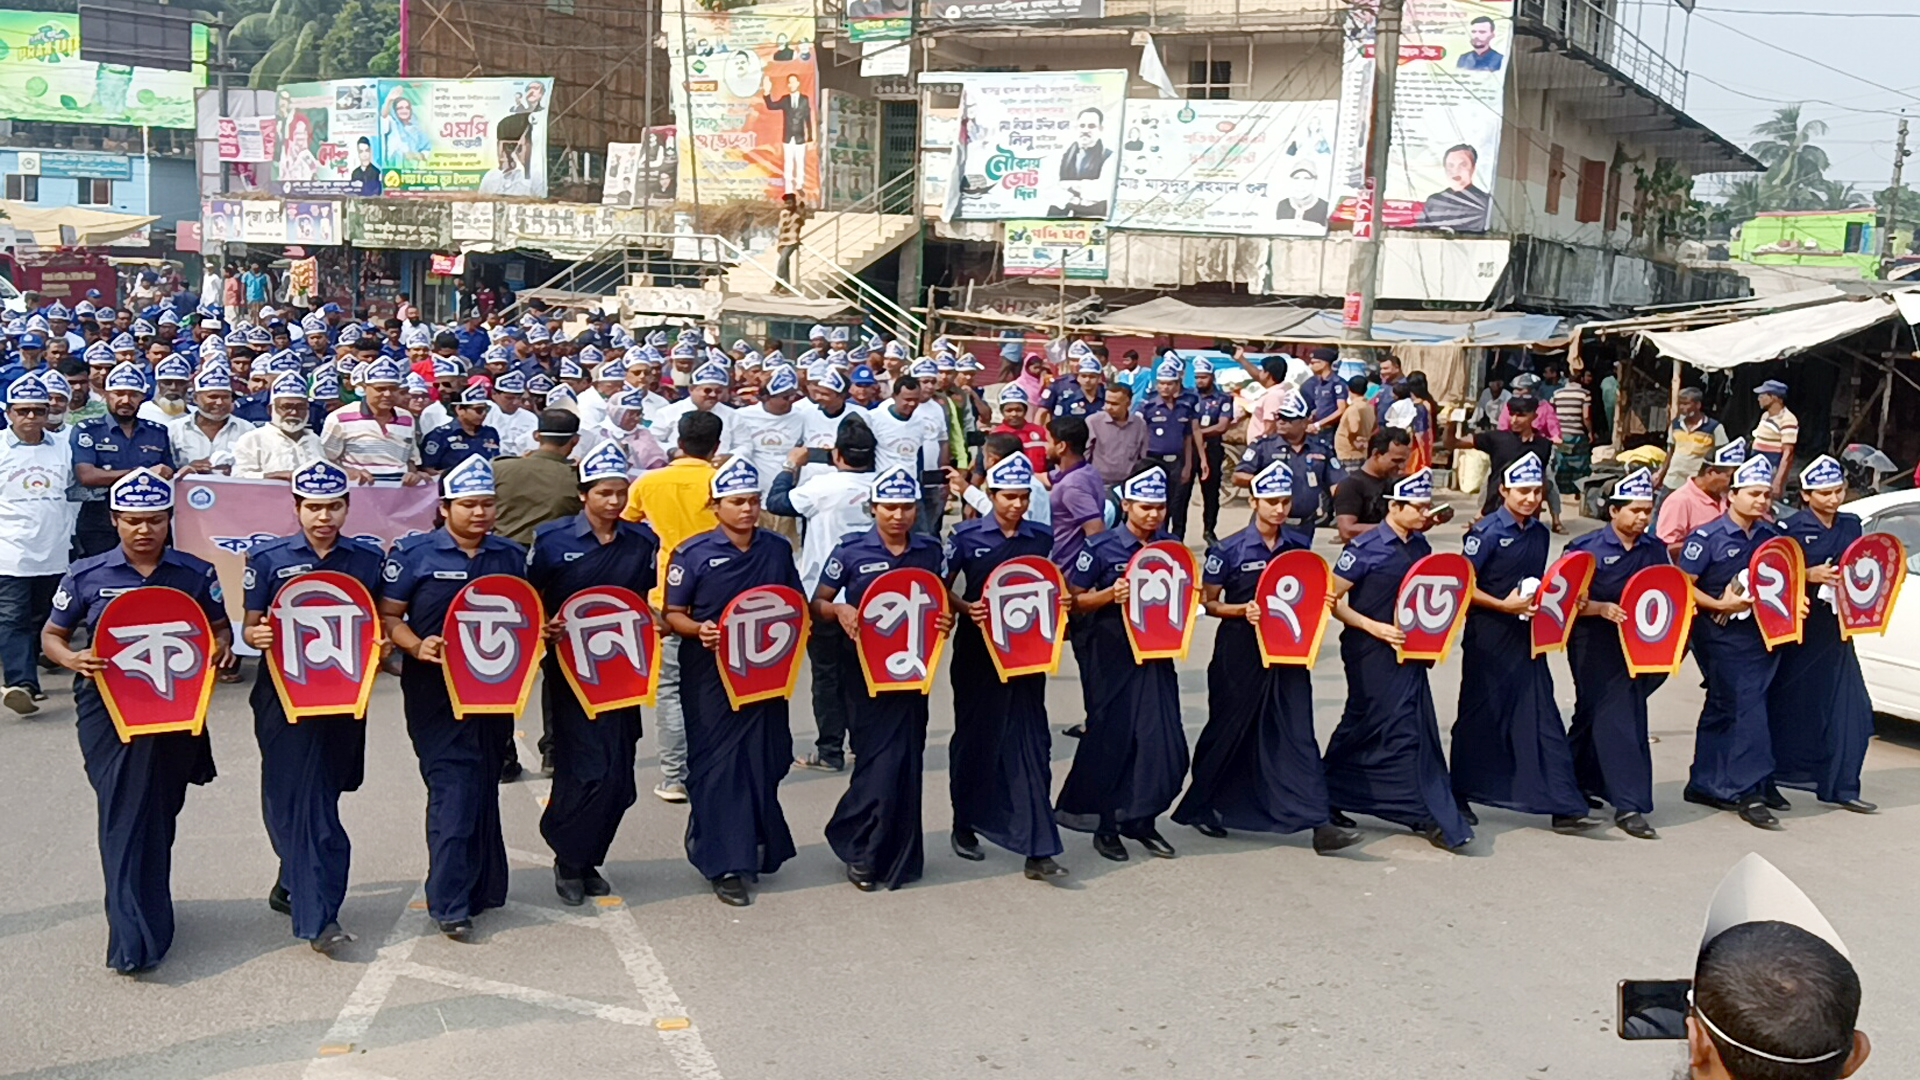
(493,645)
(1163,598)
(1292,595)
(1432,606)
(157,644)
(763,634)
(900,639)
(1659,606)
(326,644)
(609,648)
(1026,627)
(1562,588)
(1776,579)
(1871,573)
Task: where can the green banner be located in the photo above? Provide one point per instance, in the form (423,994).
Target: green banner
(43,78)
(409,226)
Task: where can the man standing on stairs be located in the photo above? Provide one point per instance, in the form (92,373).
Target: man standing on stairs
(793,217)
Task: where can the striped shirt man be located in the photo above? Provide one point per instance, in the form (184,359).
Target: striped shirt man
(356,439)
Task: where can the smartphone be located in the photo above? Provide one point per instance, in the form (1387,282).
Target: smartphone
(819,455)
(1653,1008)
(1441,515)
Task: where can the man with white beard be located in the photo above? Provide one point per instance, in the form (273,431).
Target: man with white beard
(275,449)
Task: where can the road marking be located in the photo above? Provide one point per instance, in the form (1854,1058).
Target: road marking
(376,983)
(546,999)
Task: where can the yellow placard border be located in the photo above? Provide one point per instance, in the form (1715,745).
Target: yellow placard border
(370,668)
(199,721)
(1193,605)
(924,685)
(525,692)
(649,687)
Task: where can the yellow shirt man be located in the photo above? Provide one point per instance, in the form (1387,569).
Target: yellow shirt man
(673,500)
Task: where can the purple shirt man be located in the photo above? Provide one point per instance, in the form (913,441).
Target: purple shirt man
(1078,496)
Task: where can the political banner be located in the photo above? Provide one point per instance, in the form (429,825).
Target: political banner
(1432,606)
(1042,248)
(763,636)
(1006,11)
(1037,144)
(1562,588)
(368,137)
(158,647)
(219,517)
(1449,107)
(746,91)
(42,77)
(609,649)
(1777,581)
(879,20)
(1292,597)
(1871,573)
(643,173)
(409,226)
(326,646)
(900,639)
(247,138)
(1233,168)
(851,166)
(1026,601)
(1163,600)
(493,645)
(1658,602)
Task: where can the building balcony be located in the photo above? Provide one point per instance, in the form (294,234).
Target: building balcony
(1588,30)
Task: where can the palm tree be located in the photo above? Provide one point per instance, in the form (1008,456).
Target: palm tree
(1795,166)
(1747,199)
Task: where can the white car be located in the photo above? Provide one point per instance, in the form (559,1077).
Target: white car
(1891,662)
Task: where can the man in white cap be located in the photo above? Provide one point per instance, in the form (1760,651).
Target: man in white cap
(373,438)
(766,434)
(510,417)
(273,450)
(34,535)
(707,387)
(204,439)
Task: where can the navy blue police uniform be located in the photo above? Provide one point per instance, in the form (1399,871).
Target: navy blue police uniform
(449,445)
(1733,753)
(1818,709)
(104,444)
(1315,474)
(1169,443)
(1210,407)
(1064,397)
(1611,759)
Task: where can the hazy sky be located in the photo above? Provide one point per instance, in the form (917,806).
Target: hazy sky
(1735,83)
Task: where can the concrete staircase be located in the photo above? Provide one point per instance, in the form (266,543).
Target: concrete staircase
(850,239)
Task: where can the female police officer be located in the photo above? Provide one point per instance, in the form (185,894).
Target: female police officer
(139,785)
(460,757)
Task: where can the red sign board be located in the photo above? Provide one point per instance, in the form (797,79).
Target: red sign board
(1292,598)
(763,635)
(1026,601)
(609,648)
(900,638)
(1659,606)
(326,644)
(493,645)
(158,647)
(1433,605)
(1871,573)
(1777,580)
(1163,599)
(1561,589)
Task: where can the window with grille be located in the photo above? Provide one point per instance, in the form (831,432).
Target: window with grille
(23,188)
(95,192)
(1209,79)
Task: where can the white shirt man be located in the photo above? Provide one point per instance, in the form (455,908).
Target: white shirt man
(834,504)
(763,436)
(36,528)
(274,450)
(191,442)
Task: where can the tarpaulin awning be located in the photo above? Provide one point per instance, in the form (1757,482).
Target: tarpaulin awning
(1166,315)
(1782,334)
(1495,329)
(800,309)
(72,226)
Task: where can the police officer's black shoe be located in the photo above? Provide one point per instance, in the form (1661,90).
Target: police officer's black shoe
(1702,798)
(1042,868)
(1467,814)
(330,939)
(573,891)
(1858,806)
(1575,823)
(1076,731)
(1594,802)
(1437,836)
(1328,839)
(595,884)
(967,845)
(510,770)
(732,890)
(1208,828)
(1774,800)
(1335,817)
(1636,826)
(1108,846)
(1212,540)
(457,929)
(1156,844)
(280,900)
(862,878)
(1756,814)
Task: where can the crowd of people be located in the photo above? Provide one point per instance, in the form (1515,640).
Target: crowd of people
(690,472)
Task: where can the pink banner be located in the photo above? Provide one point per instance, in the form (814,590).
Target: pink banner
(218,518)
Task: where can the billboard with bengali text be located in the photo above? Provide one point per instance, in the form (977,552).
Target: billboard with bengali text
(363,138)
(746,95)
(1236,168)
(43,78)
(1037,144)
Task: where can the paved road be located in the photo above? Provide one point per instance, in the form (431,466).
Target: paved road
(1244,957)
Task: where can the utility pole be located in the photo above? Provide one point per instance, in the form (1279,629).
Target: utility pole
(1887,253)
(1363,273)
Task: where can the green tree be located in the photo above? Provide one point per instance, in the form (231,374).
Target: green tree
(1795,166)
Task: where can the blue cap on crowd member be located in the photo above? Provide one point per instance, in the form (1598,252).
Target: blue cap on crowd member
(831,381)
(99,354)
(558,337)
(472,478)
(619,338)
(127,376)
(284,362)
(319,480)
(448,367)
(1756,471)
(476,393)
(562,397)
(1202,366)
(569,367)
(588,358)
(1729,456)
(331,308)
(862,375)
(32,341)
(614,370)
(496,354)
(736,477)
(27,390)
(210,322)
(139,491)
(259,337)
(315,324)
(57,312)
(1274,482)
(168,318)
(894,486)
(1149,486)
(783,381)
(539,383)
(717,355)
(237,338)
(712,375)
(774,357)
(839,335)
(1014,395)
(681,352)
(212,378)
(1524,471)
(141,328)
(658,338)
(1169,371)
(1414,488)
(859,354)
(16,326)
(607,461)
(740,346)
(923,368)
(1077,348)
(1772,386)
(1633,487)
(1292,407)
(326,385)
(1822,474)
(513,382)
(384,371)
(753,362)
(632,398)
(812,355)
(537,335)
(415,384)
(289,386)
(1088,365)
(1011,473)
